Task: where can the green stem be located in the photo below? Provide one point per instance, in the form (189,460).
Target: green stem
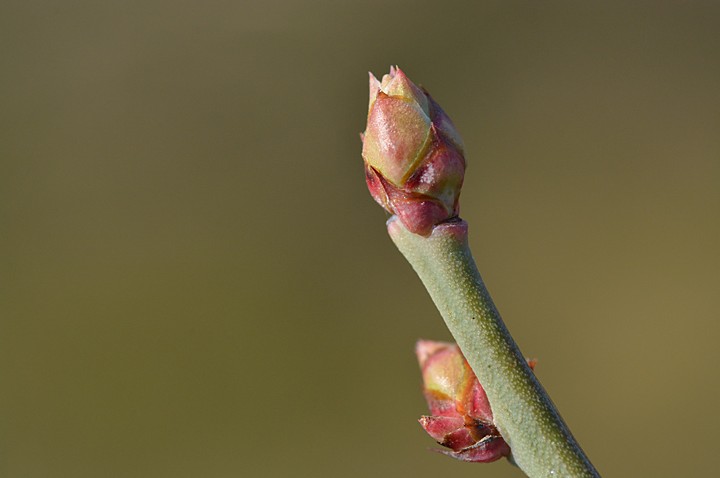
(541,443)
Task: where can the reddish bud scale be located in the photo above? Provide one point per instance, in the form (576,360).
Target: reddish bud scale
(414,163)
(461,418)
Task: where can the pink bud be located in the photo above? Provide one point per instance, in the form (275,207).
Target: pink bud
(413,155)
(461,418)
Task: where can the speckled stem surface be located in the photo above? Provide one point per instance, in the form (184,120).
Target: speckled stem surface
(542,445)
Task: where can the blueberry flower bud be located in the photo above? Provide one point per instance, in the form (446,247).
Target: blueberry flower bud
(414,163)
(460,415)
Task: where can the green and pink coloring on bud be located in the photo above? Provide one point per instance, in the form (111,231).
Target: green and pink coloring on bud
(460,415)
(414,162)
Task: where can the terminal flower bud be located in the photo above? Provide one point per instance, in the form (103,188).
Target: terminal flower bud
(460,415)
(414,163)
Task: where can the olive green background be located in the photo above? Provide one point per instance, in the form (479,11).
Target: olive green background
(194,281)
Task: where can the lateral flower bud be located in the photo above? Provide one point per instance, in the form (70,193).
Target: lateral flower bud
(414,163)
(460,415)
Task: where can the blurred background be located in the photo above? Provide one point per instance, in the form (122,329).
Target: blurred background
(194,281)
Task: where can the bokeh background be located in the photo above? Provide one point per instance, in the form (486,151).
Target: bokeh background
(194,281)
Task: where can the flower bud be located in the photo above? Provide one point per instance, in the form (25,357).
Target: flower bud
(414,163)
(461,418)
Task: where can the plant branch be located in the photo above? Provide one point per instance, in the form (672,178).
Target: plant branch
(541,443)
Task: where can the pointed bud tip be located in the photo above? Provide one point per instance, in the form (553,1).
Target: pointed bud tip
(374,89)
(426,348)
